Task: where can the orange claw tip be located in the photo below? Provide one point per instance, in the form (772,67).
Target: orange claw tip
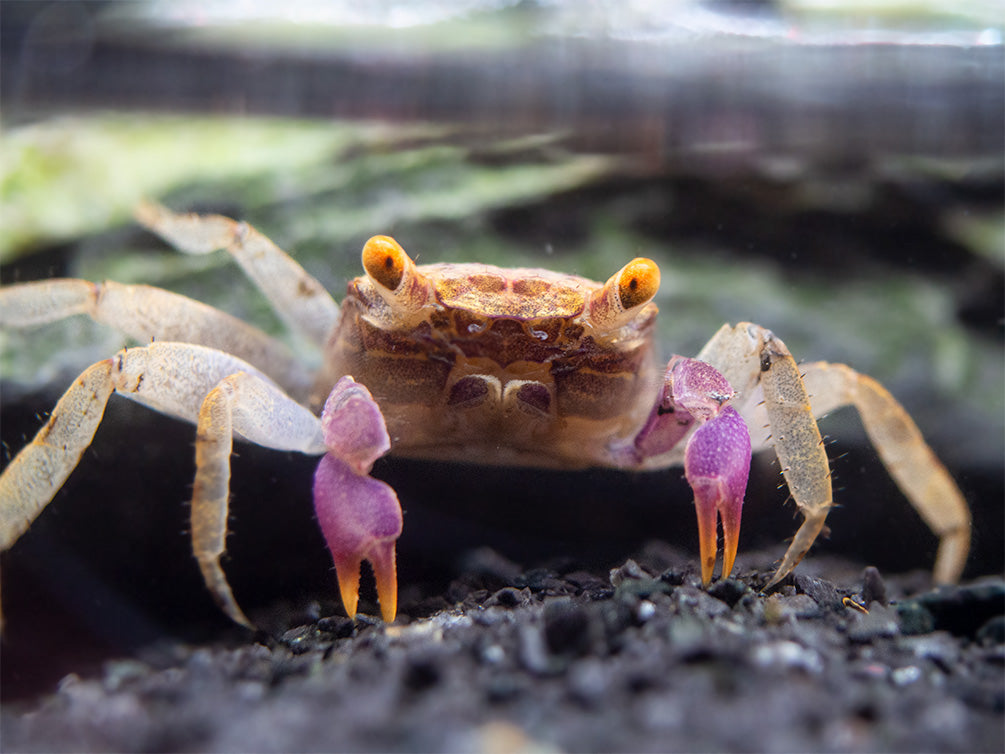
(348,585)
(386,576)
(708,543)
(730,537)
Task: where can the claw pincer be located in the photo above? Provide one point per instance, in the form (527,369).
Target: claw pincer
(717,455)
(359,516)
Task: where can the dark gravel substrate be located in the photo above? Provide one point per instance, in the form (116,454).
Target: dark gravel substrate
(561,659)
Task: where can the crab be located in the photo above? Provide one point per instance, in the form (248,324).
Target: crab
(466,362)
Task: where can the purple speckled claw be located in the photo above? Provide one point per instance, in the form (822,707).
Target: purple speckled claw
(717,463)
(717,456)
(359,516)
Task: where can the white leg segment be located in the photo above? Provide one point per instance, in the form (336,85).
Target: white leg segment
(176,379)
(244,404)
(298,298)
(918,472)
(150,314)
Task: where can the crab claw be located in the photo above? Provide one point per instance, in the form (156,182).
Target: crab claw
(717,464)
(359,516)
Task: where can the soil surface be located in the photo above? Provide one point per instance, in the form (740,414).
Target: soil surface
(560,658)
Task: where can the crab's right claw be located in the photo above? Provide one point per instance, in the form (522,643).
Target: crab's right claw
(359,516)
(717,463)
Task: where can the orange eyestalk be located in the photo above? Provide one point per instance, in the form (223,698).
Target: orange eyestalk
(394,276)
(624,294)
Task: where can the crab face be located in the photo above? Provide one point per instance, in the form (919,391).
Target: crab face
(503,362)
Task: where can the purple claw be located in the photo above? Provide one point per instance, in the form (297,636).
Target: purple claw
(717,464)
(716,459)
(360,517)
(353,426)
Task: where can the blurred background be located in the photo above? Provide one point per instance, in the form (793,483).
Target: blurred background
(834,171)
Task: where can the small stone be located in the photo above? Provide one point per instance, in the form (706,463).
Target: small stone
(906,675)
(778,608)
(880,623)
(338,626)
(301,639)
(508,597)
(533,651)
(873,587)
(487,563)
(822,592)
(646,610)
(588,681)
(728,591)
(493,654)
(992,632)
(914,619)
(630,570)
(538,580)
(567,627)
(505,687)
(962,610)
(421,673)
(787,655)
(939,647)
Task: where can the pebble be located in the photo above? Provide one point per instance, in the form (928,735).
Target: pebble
(568,628)
(873,586)
(914,618)
(728,591)
(879,623)
(588,680)
(906,675)
(940,647)
(508,597)
(992,632)
(822,592)
(787,655)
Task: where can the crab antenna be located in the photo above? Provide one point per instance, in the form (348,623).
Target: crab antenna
(394,275)
(624,294)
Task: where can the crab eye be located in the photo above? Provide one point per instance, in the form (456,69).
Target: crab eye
(638,282)
(385,261)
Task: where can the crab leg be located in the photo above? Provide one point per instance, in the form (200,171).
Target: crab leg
(150,314)
(359,516)
(758,364)
(899,443)
(182,380)
(716,457)
(760,367)
(298,298)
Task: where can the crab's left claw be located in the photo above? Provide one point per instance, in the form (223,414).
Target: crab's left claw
(359,516)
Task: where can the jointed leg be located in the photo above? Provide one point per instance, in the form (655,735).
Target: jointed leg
(789,399)
(298,298)
(256,410)
(173,378)
(899,443)
(151,314)
(753,358)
